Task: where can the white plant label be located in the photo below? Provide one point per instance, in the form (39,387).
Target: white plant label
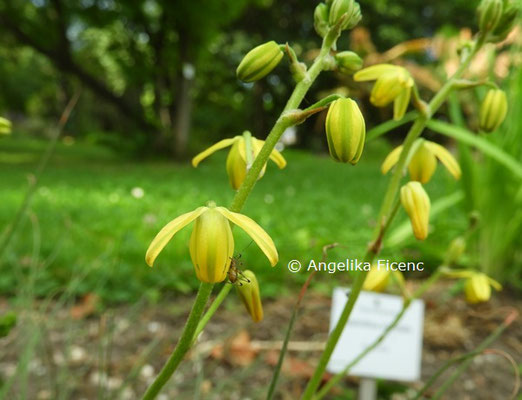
(398,356)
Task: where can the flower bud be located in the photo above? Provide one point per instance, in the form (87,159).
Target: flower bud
(493,110)
(345,131)
(211,246)
(340,8)
(489,14)
(416,202)
(506,23)
(321,19)
(377,279)
(250,296)
(456,248)
(5,126)
(348,62)
(259,62)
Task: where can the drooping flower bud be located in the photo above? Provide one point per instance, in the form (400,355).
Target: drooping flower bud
(345,131)
(250,296)
(321,19)
(5,126)
(348,62)
(377,279)
(477,287)
(493,110)
(506,23)
(341,7)
(393,83)
(259,62)
(456,248)
(416,202)
(489,14)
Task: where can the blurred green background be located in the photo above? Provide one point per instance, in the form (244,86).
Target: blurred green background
(157,82)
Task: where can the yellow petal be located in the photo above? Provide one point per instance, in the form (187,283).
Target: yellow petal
(212,149)
(445,158)
(250,296)
(373,72)
(496,285)
(278,158)
(422,164)
(391,159)
(376,280)
(262,239)
(169,230)
(236,166)
(400,104)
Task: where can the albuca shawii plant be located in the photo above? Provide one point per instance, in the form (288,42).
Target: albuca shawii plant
(211,246)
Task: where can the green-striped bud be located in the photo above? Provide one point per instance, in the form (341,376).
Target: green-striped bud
(506,23)
(348,62)
(249,294)
(259,62)
(341,7)
(5,126)
(456,248)
(489,14)
(416,202)
(493,110)
(321,19)
(345,131)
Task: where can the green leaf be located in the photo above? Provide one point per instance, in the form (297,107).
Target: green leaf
(465,136)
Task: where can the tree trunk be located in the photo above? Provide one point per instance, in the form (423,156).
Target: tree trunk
(183,113)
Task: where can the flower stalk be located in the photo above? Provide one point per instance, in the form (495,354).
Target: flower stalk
(386,215)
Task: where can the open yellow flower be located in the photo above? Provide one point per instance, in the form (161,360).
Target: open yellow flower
(211,243)
(237,166)
(423,163)
(477,285)
(393,83)
(250,296)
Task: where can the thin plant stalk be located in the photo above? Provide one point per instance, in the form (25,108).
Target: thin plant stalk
(33,181)
(385,216)
(466,361)
(419,292)
(238,202)
(304,288)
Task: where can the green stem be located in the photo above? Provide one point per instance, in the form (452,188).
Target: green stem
(184,342)
(281,124)
(419,292)
(237,204)
(223,293)
(385,216)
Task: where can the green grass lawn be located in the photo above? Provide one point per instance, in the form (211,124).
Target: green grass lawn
(88,228)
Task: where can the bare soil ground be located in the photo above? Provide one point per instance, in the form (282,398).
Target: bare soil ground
(73,351)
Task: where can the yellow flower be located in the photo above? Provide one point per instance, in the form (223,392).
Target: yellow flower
(5,126)
(393,83)
(345,131)
(211,243)
(237,161)
(477,285)
(249,294)
(424,161)
(416,202)
(378,279)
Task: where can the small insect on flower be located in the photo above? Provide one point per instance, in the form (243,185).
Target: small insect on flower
(235,275)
